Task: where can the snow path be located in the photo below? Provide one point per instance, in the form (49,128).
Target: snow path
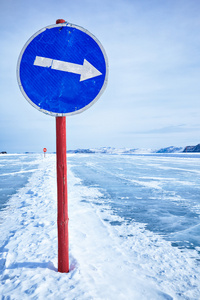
(103,265)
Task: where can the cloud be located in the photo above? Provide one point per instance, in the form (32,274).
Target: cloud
(169,129)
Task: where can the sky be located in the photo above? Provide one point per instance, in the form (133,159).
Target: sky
(153,92)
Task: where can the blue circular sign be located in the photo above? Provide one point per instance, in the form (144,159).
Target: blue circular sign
(62,70)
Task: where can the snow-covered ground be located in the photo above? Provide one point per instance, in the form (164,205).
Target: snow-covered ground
(106,262)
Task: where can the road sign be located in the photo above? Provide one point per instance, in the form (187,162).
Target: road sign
(62,69)
(44,150)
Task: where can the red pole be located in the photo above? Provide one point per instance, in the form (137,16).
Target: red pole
(62,216)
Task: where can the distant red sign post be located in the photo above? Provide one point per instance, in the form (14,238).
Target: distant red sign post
(44,150)
(62,70)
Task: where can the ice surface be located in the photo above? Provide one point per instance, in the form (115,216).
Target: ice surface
(111,256)
(161,191)
(15,169)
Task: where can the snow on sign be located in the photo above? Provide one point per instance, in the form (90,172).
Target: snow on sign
(62,69)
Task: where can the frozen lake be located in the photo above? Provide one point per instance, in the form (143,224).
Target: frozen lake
(15,169)
(133,227)
(161,191)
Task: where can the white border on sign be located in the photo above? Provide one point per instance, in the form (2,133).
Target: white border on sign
(85,107)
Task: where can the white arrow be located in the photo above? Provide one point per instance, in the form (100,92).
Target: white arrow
(86,70)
